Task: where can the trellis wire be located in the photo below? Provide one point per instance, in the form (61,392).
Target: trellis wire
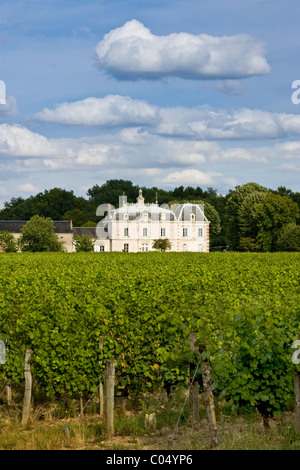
(187,395)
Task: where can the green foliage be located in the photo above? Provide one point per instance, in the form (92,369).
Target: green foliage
(247,244)
(89,223)
(38,235)
(289,239)
(243,306)
(261,371)
(51,203)
(273,213)
(7,242)
(83,243)
(162,244)
(77,216)
(237,205)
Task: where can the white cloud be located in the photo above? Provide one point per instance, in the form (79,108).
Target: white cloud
(112,110)
(190,177)
(27,188)
(246,124)
(201,123)
(132,51)
(194,177)
(136,151)
(19,141)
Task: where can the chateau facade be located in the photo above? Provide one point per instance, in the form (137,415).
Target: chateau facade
(134,227)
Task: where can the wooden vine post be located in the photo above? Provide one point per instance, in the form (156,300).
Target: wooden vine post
(109,395)
(297,392)
(101,384)
(194,387)
(8,386)
(3,353)
(28,388)
(208,396)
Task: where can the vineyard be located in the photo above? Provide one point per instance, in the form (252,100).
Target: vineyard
(245,309)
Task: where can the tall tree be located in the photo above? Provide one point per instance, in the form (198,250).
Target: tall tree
(51,203)
(232,208)
(272,214)
(38,235)
(109,192)
(289,238)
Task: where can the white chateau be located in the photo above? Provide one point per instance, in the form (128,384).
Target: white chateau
(134,227)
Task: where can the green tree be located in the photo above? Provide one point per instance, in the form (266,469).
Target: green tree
(247,220)
(38,235)
(272,214)
(247,244)
(8,242)
(83,243)
(289,239)
(89,223)
(53,203)
(232,212)
(109,192)
(161,244)
(77,216)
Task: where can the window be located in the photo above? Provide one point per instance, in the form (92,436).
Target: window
(192,217)
(101,248)
(125,216)
(126,247)
(144,232)
(185,248)
(200,248)
(145,217)
(200,232)
(126,232)
(185,232)
(162,232)
(145,248)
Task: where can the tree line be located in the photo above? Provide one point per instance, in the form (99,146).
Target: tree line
(249,218)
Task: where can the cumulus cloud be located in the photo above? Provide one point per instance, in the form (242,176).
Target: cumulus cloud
(201,123)
(112,110)
(240,124)
(135,150)
(19,141)
(133,52)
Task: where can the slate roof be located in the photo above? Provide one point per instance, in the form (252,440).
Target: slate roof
(15,226)
(89,231)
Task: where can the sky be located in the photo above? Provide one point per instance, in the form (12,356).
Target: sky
(162,93)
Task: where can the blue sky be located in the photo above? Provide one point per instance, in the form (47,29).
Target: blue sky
(163,93)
